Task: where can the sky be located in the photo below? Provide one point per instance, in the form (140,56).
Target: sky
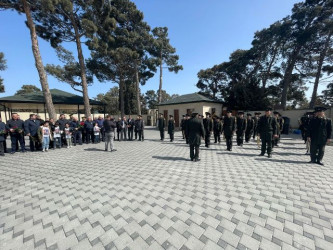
(204,33)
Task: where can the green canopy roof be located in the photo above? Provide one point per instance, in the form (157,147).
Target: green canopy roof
(58,97)
(189,98)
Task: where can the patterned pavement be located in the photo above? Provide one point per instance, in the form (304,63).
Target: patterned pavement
(149,195)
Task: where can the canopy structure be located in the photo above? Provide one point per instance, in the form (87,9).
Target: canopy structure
(34,102)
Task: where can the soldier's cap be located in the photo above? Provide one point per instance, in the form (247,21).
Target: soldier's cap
(276,113)
(257,113)
(268,109)
(161,114)
(248,114)
(194,114)
(320,109)
(216,117)
(241,113)
(187,115)
(184,115)
(207,113)
(229,111)
(170,115)
(309,113)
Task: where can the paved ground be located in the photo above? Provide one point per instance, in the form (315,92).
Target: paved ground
(148,195)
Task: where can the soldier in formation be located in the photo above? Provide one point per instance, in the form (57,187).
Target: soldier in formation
(208,125)
(241,127)
(195,130)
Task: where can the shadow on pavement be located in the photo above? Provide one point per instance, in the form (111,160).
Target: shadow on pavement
(170,158)
(93,149)
(283,161)
(235,153)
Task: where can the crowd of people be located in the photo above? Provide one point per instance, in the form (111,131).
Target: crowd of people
(265,129)
(63,132)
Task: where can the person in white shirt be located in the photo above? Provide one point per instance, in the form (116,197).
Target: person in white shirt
(46,136)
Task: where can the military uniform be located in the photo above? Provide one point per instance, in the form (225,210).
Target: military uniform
(186,130)
(249,128)
(241,127)
(228,130)
(267,128)
(279,127)
(255,124)
(320,131)
(208,125)
(171,128)
(217,128)
(161,127)
(195,130)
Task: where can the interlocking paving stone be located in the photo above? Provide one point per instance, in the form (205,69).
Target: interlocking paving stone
(148,195)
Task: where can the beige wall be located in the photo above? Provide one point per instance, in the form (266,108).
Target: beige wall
(198,107)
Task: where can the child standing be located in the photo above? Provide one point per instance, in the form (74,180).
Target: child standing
(96,132)
(46,136)
(68,135)
(57,136)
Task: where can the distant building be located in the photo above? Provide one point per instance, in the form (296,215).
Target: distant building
(188,104)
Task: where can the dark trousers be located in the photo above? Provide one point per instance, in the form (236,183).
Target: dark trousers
(2,149)
(207,139)
(77,136)
(15,138)
(96,138)
(84,136)
(254,133)
(103,134)
(217,137)
(89,136)
(63,139)
(194,152)
(140,134)
(4,143)
(228,139)
(130,134)
(266,142)
(34,143)
(171,136)
(57,141)
(317,151)
(136,134)
(162,134)
(240,139)
(118,134)
(183,133)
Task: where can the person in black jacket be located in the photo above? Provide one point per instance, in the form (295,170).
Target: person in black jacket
(187,118)
(2,137)
(15,127)
(267,129)
(249,127)
(77,135)
(161,126)
(217,128)
(30,128)
(119,128)
(130,128)
(319,134)
(62,123)
(208,125)
(241,127)
(229,129)
(171,127)
(89,128)
(140,128)
(182,126)
(255,124)
(109,125)
(196,131)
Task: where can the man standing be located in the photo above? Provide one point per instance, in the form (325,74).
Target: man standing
(130,127)
(136,125)
(279,127)
(30,127)
(15,127)
(196,131)
(171,127)
(182,126)
(119,128)
(208,125)
(140,128)
(161,126)
(217,127)
(77,135)
(319,134)
(249,127)
(267,129)
(229,129)
(89,128)
(62,122)
(241,127)
(187,118)
(255,124)
(100,121)
(109,125)
(2,137)
(124,129)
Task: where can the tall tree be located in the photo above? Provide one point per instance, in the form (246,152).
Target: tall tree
(66,21)
(23,6)
(111,100)
(3,66)
(27,89)
(166,55)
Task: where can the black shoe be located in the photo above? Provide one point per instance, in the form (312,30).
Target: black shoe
(192,159)
(320,163)
(113,150)
(197,159)
(269,156)
(311,162)
(261,155)
(105,150)
(2,154)
(13,152)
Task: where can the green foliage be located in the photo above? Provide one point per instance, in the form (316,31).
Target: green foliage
(111,100)
(151,98)
(3,66)
(27,89)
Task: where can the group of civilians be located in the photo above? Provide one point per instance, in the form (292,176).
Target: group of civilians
(67,132)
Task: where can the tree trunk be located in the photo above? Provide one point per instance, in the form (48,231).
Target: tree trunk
(138,94)
(320,66)
(121,96)
(39,63)
(161,80)
(87,110)
(264,81)
(287,76)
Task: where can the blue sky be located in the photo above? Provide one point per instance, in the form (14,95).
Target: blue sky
(203,32)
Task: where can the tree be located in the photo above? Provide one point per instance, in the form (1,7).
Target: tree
(28,89)
(23,6)
(66,21)
(3,66)
(165,54)
(111,100)
(151,98)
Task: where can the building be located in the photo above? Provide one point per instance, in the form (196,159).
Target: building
(188,104)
